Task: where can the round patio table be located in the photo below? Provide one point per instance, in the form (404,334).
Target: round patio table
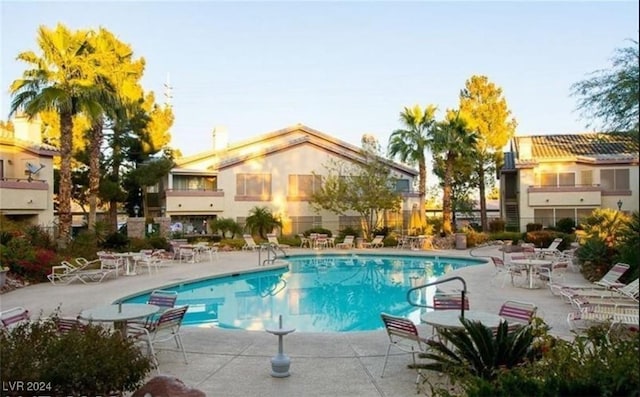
(450,319)
(530,264)
(118,314)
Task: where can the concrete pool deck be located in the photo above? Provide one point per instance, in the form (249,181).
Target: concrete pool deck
(237,363)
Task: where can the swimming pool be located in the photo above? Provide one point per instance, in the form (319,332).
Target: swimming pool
(313,293)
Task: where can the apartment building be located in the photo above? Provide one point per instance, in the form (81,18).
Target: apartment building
(549,177)
(273,170)
(26,173)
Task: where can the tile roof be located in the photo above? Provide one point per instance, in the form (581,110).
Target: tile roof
(594,145)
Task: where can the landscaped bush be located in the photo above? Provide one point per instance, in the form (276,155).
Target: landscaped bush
(566,225)
(533,227)
(347,231)
(233,244)
(88,362)
(497,225)
(629,246)
(83,245)
(39,237)
(116,241)
(475,238)
(595,257)
(25,260)
(514,237)
(602,362)
(382,231)
(543,238)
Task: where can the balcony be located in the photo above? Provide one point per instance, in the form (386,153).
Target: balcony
(24,195)
(194,200)
(554,196)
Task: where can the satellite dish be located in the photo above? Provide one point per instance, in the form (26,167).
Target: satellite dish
(33,169)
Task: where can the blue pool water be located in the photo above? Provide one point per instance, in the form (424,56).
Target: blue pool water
(328,293)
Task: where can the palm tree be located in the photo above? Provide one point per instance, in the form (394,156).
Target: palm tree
(60,79)
(451,140)
(409,144)
(262,221)
(118,76)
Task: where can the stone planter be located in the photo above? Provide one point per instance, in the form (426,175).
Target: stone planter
(3,277)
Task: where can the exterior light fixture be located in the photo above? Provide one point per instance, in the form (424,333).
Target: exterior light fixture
(619,205)
(136,209)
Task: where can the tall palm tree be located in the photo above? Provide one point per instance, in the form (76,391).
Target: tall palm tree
(409,144)
(59,79)
(450,141)
(117,75)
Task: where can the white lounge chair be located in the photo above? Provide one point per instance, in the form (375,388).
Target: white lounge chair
(597,314)
(347,243)
(249,243)
(581,297)
(552,249)
(609,280)
(377,242)
(273,239)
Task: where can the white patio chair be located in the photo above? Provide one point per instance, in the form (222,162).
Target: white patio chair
(14,316)
(165,328)
(403,335)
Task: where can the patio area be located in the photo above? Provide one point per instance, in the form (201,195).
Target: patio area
(237,363)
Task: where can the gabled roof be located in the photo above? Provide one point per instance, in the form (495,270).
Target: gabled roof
(43,149)
(589,147)
(278,141)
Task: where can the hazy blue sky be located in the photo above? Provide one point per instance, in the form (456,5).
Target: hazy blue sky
(344,68)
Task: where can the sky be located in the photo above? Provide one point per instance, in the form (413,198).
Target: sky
(345,68)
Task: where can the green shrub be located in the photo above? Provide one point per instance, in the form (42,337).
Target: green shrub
(566,225)
(476,352)
(629,246)
(84,245)
(39,237)
(234,244)
(27,261)
(157,242)
(116,241)
(86,362)
(497,225)
(514,237)
(533,227)
(475,238)
(595,257)
(543,238)
(347,231)
(601,363)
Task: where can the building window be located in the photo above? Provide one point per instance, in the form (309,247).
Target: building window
(194,182)
(544,216)
(304,186)
(548,217)
(300,224)
(555,179)
(614,179)
(586,178)
(402,185)
(255,187)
